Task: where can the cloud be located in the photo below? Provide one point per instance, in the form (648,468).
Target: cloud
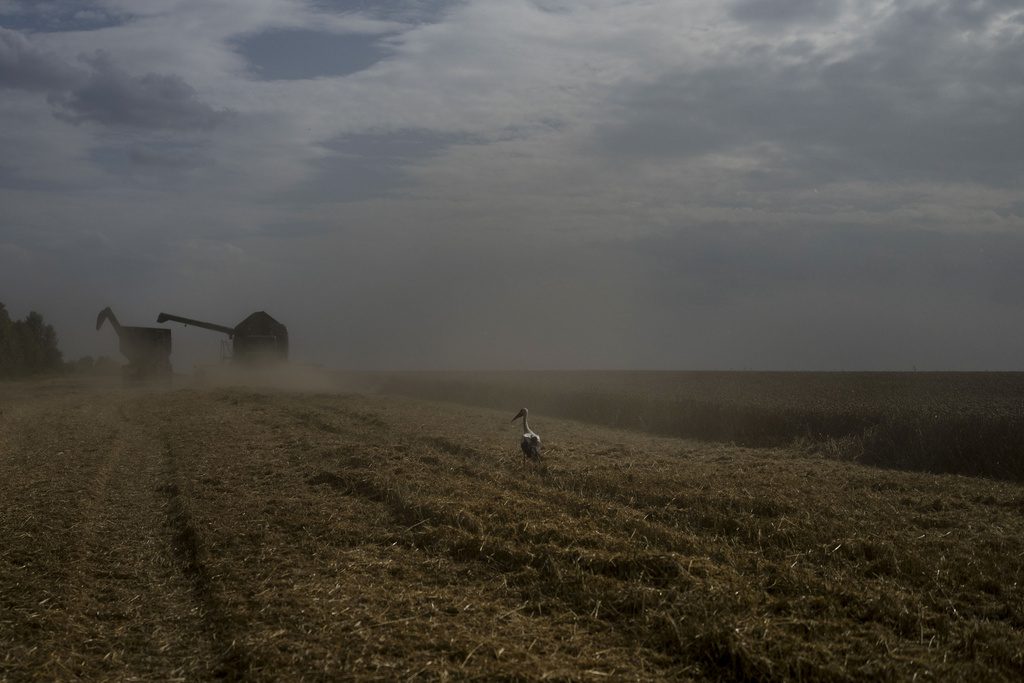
(58,15)
(12,178)
(913,101)
(298,53)
(100,91)
(110,96)
(23,66)
(415,11)
(370,165)
(780,12)
(166,156)
(1013,210)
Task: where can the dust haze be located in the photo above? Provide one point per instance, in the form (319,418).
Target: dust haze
(531,184)
(293,377)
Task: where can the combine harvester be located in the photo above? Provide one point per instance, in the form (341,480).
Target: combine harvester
(257,340)
(255,353)
(148,350)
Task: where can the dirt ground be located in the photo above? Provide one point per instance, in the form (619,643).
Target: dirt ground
(204,533)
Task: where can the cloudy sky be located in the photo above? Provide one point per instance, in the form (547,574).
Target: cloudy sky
(764,184)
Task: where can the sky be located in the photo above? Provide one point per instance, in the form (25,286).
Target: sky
(523,184)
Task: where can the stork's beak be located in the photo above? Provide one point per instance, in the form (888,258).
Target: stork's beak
(518,415)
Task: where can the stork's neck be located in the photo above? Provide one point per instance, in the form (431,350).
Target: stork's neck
(526,425)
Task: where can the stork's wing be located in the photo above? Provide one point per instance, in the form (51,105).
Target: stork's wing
(530,445)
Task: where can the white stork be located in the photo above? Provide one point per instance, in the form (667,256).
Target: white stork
(531,442)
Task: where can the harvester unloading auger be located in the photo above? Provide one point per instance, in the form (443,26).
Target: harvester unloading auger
(257,340)
(148,349)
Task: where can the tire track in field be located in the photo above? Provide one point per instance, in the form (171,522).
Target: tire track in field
(544,490)
(670,517)
(525,538)
(104,600)
(615,508)
(132,606)
(633,595)
(39,513)
(662,518)
(619,516)
(532,565)
(444,502)
(69,462)
(290,592)
(508,545)
(576,491)
(623,593)
(549,543)
(233,661)
(621,508)
(564,563)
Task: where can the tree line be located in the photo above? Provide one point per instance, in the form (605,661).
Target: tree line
(27,347)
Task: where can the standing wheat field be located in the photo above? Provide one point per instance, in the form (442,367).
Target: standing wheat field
(258,534)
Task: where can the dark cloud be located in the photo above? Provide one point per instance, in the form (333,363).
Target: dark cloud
(777,12)
(58,15)
(101,92)
(296,54)
(110,96)
(917,102)
(23,66)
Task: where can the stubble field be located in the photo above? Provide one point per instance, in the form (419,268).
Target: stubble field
(205,533)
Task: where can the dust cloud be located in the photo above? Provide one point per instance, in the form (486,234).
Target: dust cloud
(295,377)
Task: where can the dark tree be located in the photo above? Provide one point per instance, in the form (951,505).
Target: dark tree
(27,347)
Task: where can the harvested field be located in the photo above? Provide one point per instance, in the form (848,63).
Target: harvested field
(266,535)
